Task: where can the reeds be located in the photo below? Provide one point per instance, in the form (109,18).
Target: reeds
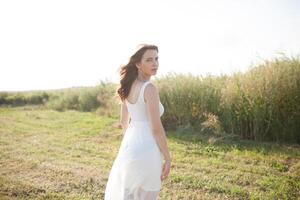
(261,104)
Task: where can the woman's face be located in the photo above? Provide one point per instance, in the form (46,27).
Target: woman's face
(149,62)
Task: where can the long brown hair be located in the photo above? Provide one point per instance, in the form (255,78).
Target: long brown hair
(129,72)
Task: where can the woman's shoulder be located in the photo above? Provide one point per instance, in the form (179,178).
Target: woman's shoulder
(151,87)
(151,91)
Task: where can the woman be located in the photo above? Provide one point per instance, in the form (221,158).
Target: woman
(143,160)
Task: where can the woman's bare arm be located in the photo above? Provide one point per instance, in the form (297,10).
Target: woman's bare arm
(152,105)
(124,117)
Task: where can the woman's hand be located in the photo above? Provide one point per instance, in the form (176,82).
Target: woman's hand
(165,170)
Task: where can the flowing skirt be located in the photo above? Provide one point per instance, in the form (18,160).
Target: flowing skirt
(135,174)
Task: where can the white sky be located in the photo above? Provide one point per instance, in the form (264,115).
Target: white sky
(58,43)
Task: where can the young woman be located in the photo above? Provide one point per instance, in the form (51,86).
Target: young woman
(143,160)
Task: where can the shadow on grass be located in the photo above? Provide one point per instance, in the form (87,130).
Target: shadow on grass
(229,142)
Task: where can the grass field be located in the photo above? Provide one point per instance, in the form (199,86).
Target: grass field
(45,154)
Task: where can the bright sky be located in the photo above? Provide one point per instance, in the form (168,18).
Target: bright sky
(58,43)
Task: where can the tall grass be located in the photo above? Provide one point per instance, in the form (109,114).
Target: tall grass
(23,98)
(100,99)
(262,104)
(190,100)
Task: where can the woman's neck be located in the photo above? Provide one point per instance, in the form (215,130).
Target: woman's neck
(142,78)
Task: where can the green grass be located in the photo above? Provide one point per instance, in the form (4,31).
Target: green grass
(45,154)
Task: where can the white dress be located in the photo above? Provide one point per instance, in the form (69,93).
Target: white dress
(135,174)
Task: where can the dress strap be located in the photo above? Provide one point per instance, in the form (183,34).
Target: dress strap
(141,95)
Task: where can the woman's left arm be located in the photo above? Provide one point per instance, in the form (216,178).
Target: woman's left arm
(124,117)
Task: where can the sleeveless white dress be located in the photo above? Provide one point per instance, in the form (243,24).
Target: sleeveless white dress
(135,174)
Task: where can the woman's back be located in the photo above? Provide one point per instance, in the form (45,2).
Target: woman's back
(137,109)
